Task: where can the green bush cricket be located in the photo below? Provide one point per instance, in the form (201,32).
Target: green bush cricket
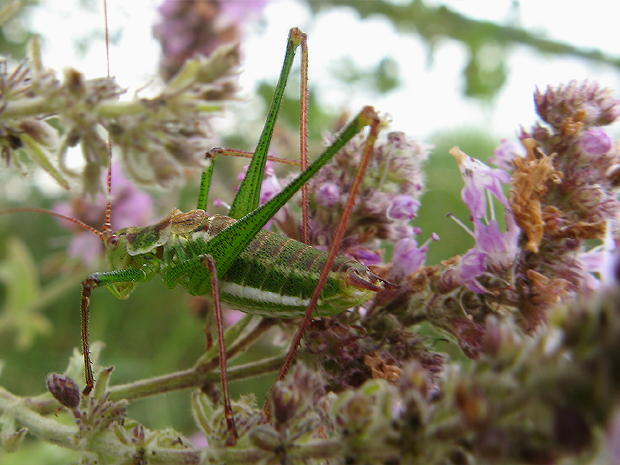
(232,258)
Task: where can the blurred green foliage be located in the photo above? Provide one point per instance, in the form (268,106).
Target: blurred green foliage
(433,24)
(14,32)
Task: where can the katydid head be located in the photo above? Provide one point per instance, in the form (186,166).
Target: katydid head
(137,248)
(118,258)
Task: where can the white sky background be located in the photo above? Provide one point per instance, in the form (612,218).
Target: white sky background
(430,98)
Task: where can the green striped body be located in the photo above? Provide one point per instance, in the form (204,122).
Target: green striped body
(274,276)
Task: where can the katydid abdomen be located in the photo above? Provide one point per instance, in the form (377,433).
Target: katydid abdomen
(273,276)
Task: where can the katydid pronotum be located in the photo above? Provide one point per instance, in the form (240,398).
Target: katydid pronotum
(225,256)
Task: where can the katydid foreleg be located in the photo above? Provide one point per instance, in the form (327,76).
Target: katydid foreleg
(125,278)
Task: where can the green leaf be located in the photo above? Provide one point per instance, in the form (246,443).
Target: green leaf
(20,276)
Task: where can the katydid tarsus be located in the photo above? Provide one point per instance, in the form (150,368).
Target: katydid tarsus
(233,258)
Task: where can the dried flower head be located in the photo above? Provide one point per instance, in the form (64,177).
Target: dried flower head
(158,137)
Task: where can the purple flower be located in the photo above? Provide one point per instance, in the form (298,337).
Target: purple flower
(130,206)
(238,11)
(473,264)
(494,252)
(327,194)
(193,27)
(596,142)
(500,247)
(505,153)
(479,178)
(271,184)
(408,258)
(86,247)
(603,261)
(363,255)
(388,200)
(270,188)
(403,206)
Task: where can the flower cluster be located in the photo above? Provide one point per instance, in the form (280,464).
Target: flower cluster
(494,253)
(389,198)
(388,201)
(195,27)
(158,137)
(487,412)
(564,193)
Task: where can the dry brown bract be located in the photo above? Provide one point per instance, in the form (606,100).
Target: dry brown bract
(380,369)
(529,186)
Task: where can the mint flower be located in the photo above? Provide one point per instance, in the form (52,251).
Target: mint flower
(191,27)
(328,194)
(389,198)
(504,155)
(403,206)
(479,180)
(408,258)
(494,253)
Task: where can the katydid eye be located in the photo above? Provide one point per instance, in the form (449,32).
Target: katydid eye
(113,240)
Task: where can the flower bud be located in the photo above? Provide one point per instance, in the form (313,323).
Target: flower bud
(285,403)
(327,194)
(266,438)
(64,390)
(403,207)
(596,142)
(582,102)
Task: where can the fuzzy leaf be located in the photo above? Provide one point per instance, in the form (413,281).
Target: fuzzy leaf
(20,275)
